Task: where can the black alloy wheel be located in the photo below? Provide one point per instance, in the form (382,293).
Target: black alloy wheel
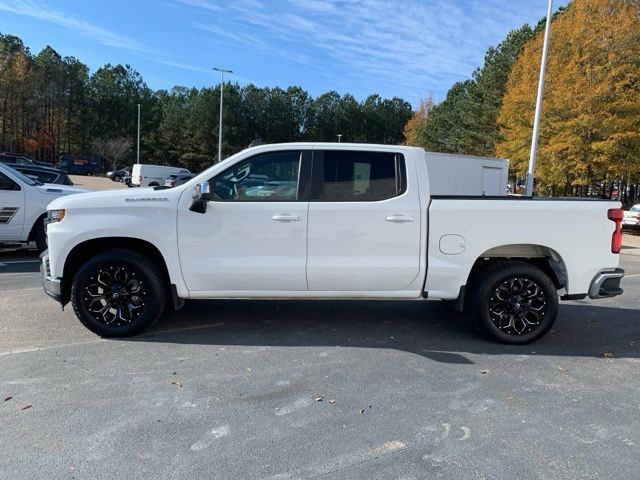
(517,306)
(118,293)
(513,302)
(115,295)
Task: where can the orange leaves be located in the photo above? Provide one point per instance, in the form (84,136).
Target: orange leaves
(591,107)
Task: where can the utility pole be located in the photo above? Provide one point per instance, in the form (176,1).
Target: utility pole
(222,72)
(138,148)
(536,119)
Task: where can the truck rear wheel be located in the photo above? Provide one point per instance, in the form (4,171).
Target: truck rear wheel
(118,293)
(514,302)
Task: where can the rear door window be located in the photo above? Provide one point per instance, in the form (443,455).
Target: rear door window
(357,176)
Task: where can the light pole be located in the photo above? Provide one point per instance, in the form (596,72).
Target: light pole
(138,148)
(339,137)
(222,72)
(536,119)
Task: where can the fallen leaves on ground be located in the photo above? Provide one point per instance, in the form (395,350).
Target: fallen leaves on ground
(6,399)
(25,406)
(607,355)
(318,399)
(177,383)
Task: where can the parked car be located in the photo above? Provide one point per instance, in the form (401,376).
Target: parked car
(23,206)
(80,164)
(20,159)
(9,160)
(178,179)
(44,174)
(118,175)
(359,223)
(144,175)
(631,219)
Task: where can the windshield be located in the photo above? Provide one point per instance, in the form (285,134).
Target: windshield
(19,175)
(635,208)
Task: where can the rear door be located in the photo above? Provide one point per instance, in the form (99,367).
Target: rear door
(364,223)
(11,209)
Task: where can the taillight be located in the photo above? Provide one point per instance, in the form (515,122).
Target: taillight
(140,179)
(616,215)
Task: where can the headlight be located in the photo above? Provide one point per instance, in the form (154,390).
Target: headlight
(54,216)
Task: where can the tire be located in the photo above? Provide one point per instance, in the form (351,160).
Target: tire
(154,184)
(118,293)
(40,236)
(513,302)
(89,174)
(116,178)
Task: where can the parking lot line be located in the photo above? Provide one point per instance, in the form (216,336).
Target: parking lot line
(16,262)
(50,347)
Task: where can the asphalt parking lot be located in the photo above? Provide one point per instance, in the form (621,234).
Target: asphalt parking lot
(286,390)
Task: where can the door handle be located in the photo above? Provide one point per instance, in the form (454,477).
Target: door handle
(286,217)
(399,218)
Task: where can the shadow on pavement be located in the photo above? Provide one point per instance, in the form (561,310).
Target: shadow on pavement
(429,329)
(18,259)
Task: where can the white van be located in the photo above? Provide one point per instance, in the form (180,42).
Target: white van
(152,175)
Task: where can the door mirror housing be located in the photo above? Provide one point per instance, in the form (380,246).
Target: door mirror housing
(201,196)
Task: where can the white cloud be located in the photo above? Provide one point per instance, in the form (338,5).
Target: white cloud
(84,28)
(402,47)
(88,30)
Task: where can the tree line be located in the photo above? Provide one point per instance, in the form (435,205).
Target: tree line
(50,105)
(589,140)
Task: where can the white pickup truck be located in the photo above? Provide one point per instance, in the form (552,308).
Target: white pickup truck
(317,221)
(23,206)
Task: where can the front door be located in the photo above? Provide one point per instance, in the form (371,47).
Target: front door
(11,209)
(253,236)
(364,223)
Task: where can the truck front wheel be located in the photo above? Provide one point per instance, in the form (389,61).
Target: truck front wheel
(118,293)
(513,302)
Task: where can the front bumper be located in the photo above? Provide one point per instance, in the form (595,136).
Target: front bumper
(52,285)
(606,283)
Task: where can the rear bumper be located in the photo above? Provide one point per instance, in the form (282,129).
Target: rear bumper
(52,285)
(606,283)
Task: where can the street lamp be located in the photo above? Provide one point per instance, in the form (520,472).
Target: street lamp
(536,118)
(138,147)
(222,72)
(339,137)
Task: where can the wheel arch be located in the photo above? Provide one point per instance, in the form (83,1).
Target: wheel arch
(545,258)
(34,228)
(83,251)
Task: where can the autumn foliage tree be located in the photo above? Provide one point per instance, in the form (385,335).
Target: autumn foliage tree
(590,126)
(413,128)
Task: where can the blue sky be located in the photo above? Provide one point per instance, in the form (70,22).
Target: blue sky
(405,48)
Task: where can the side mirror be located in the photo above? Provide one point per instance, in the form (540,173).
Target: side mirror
(201,196)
